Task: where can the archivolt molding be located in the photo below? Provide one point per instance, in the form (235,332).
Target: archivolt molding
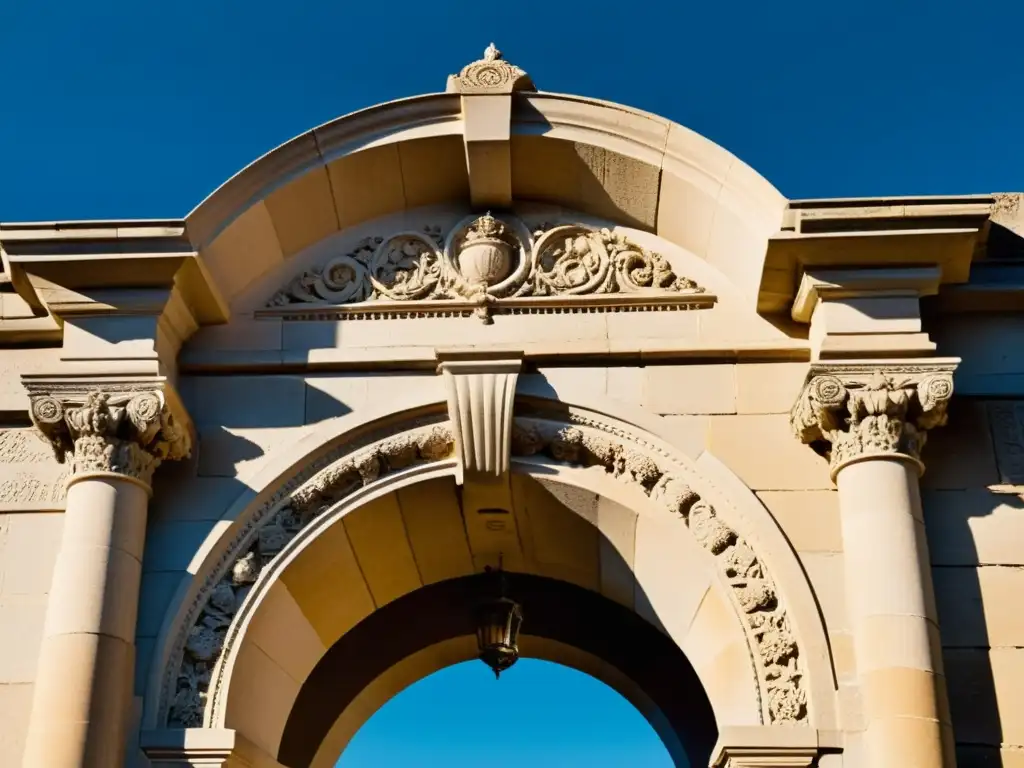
(486,265)
(195,675)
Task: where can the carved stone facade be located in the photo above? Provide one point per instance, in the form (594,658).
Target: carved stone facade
(583,441)
(862,412)
(487,264)
(125,433)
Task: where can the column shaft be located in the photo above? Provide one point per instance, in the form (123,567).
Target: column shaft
(892,608)
(83,686)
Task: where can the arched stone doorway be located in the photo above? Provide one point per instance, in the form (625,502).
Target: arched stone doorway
(608,527)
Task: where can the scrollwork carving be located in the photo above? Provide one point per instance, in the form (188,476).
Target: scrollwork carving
(485,263)
(858,413)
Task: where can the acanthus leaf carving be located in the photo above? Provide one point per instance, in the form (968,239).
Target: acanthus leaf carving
(862,411)
(124,432)
(485,263)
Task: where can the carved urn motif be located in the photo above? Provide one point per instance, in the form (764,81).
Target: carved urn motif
(485,257)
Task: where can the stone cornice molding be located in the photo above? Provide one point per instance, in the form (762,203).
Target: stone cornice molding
(481,389)
(873,408)
(123,428)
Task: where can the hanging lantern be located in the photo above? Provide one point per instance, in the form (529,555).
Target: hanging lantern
(497,632)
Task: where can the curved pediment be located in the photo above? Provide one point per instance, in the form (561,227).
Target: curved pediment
(483,145)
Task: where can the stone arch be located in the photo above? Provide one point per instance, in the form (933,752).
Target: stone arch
(573,429)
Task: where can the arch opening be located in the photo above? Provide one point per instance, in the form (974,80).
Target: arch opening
(433,627)
(541,713)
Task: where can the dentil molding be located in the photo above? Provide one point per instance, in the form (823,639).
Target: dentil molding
(874,408)
(123,427)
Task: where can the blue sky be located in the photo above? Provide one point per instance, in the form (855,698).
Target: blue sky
(141,109)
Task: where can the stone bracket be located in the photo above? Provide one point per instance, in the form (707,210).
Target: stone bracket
(481,388)
(203,748)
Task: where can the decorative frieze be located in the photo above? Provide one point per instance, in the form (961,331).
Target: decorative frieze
(487,264)
(857,411)
(122,432)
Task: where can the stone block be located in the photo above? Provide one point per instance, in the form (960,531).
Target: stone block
(626,384)
(15,709)
(260,698)
(810,519)
(21,633)
(975,606)
(155,593)
(433,170)
(367,184)
(1007,420)
(974,526)
(28,553)
(763,452)
(984,692)
(245,401)
(961,454)
(238,452)
(381,545)
(688,432)
(171,545)
(690,389)
(247,248)
(825,571)
(331,396)
(303,211)
(283,632)
(192,498)
(433,520)
(768,387)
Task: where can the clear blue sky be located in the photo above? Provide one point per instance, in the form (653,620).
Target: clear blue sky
(140,109)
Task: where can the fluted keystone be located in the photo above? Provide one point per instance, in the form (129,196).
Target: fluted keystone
(854,412)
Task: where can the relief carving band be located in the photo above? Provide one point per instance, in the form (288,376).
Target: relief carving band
(127,433)
(487,264)
(858,412)
(192,688)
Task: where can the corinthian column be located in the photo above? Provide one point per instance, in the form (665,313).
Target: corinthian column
(872,423)
(112,441)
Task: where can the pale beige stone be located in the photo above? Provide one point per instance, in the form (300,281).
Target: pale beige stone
(973,606)
(366,184)
(284,634)
(616,550)
(690,433)
(21,631)
(328,585)
(247,248)
(961,454)
(381,545)
(561,542)
(433,171)
(768,387)
(28,551)
(261,697)
(974,526)
(303,211)
(15,707)
(690,389)
(745,443)
(810,519)
(433,520)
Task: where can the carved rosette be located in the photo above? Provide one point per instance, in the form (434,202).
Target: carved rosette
(125,433)
(856,413)
(193,688)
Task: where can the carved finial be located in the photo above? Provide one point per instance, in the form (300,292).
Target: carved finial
(491,74)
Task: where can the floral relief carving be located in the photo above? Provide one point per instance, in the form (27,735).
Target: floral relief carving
(776,653)
(127,433)
(28,472)
(205,640)
(863,413)
(487,264)
(776,658)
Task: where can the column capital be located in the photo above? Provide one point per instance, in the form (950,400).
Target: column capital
(856,411)
(124,428)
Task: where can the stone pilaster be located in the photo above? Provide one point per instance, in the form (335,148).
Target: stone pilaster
(871,420)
